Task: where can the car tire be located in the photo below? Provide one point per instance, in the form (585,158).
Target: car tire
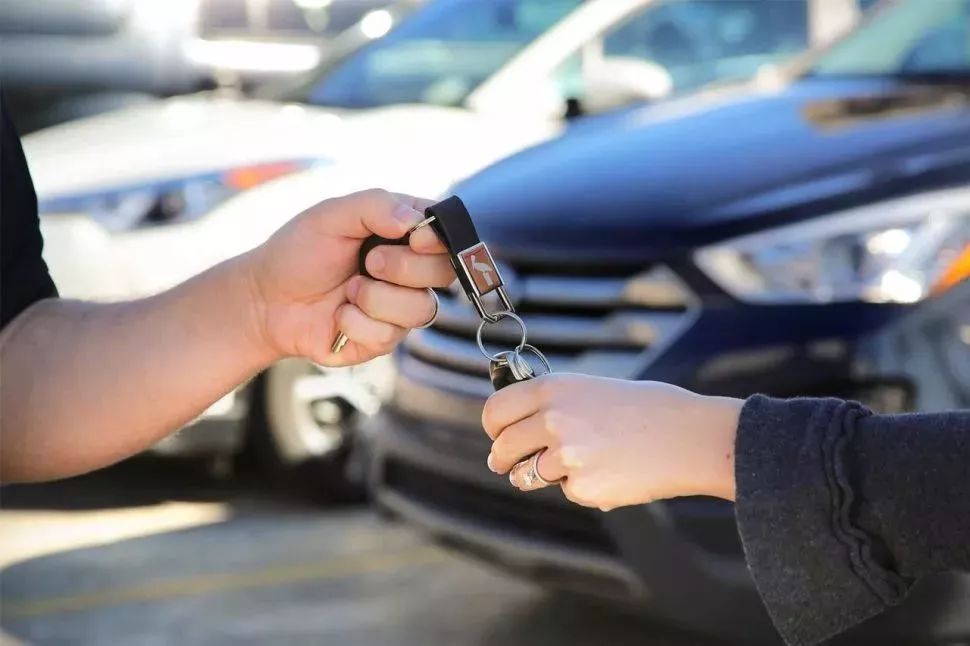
(301,437)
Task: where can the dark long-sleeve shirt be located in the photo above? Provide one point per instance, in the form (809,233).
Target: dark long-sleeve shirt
(840,511)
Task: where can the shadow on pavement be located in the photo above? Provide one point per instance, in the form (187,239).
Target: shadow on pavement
(268,567)
(147,480)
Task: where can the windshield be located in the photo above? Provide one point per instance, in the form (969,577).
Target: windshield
(439,55)
(918,38)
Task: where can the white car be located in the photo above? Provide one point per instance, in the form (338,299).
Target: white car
(65,59)
(138,200)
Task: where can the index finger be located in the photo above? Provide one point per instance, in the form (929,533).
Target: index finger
(362,214)
(510,405)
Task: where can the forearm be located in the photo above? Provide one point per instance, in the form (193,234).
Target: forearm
(83,385)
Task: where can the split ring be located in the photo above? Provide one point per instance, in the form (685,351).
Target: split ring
(498,317)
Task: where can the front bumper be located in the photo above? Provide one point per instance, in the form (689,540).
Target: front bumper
(681,559)
(634,556)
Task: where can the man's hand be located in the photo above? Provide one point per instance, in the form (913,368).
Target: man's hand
(612,442)
(86,384)
(305,287)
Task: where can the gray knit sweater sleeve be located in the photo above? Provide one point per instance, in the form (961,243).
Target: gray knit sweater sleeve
(840,510)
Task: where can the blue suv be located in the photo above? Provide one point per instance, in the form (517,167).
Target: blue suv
(807,234)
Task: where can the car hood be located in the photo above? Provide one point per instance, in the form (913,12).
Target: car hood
(173,138)
(199,134)
(661,178)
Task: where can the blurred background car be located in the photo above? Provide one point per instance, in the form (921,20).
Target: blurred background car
(797,236)
(458,85)
(65,59)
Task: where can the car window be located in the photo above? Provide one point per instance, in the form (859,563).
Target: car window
(914,37)
(699,41)
(439,55)
(317,18)
(293,18)
(223,15)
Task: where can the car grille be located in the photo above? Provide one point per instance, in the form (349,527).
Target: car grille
(708,523)
(593,320)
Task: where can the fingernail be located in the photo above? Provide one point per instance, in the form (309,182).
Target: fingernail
(407,215)
(353,288)
(491,464)
(376,261)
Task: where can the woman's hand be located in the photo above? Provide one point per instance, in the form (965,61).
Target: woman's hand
(305,286)
(614,443)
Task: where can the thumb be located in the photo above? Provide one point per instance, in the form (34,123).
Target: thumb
(360,215)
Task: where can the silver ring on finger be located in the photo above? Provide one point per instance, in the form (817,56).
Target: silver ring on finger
(525,475)
(437,308)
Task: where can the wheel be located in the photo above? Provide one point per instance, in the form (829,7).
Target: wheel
(305,419)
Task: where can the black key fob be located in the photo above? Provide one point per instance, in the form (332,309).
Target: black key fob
(508,368)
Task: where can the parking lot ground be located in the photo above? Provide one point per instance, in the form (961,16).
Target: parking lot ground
(155,552)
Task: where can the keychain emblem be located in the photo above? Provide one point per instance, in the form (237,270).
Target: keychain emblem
(480,269)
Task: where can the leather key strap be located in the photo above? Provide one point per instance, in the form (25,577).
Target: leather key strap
(454,225)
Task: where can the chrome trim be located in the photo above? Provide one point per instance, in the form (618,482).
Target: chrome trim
(611,326)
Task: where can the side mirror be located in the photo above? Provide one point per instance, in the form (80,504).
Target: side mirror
(618,81)
(574,108)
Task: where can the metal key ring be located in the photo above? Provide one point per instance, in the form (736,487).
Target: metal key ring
(538,354)
(498,317)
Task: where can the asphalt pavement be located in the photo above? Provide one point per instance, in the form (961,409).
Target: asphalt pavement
(159,552)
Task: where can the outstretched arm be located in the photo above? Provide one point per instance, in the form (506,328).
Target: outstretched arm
(839,510)
(83,385)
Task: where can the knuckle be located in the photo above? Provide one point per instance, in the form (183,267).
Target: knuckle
(376,194)
(444,272)
(551,422)
(488,423)
(388,334)
(500,447)
(570,458)
(344,315)
(367,299)
(546,388)
(552,385)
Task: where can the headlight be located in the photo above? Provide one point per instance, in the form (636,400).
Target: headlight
(167,201)
(894,252)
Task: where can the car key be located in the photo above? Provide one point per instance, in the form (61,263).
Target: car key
(508,368)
